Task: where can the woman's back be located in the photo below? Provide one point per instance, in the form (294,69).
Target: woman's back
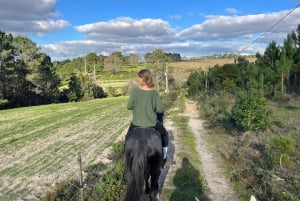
(145,105)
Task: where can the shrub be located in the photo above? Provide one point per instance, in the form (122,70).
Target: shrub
(282,147)
(195,83)
(112,186)
(68,190)
(117,151)
(250,112)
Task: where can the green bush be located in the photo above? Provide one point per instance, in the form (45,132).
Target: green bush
(195,82)
(65,191)
(168,99)
(112,186)
(117,151)
(249,112)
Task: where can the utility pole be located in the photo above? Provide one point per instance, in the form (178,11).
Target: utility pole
(80,176)
(84,65)
(94,74)
(167,80)
(205,81)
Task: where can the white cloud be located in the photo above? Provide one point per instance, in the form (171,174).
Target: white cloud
(216,34)
(125,29)
(240,27)
(29,16)
(232,11)
(177,17)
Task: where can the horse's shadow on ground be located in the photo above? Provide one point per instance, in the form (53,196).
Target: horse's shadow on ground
(188,184)
(185,174)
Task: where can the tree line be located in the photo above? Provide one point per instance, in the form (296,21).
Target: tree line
(273,74)
(29,77)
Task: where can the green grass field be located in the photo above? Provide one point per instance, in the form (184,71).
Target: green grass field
(39,145)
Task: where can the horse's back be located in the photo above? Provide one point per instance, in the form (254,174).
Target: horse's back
(143,135)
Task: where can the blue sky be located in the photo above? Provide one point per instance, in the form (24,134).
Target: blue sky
(72,28)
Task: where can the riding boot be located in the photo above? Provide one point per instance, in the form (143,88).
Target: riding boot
(165,150)
(165,158)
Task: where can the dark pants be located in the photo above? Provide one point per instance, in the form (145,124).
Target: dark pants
(160,128)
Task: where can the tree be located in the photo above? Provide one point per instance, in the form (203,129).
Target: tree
(283,67)
(93,61)
(6,58)
(46,79)
(133,59)
(26,50)
(195,82)
(113,62)
(248,72)
(214,80)
(174,56)
(271,55)
(87,86)
(22,94)
(98,92)
(75,92)
(15,86)
(295,35)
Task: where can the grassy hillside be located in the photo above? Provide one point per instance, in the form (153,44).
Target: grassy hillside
(39,145)
(179,70)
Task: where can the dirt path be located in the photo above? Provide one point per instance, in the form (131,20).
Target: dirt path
(219,187)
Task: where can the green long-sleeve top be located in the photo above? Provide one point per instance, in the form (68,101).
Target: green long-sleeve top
(145,104)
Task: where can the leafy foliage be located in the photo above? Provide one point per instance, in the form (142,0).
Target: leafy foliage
(112,186)
(282,147)
(249,112)
(75,92)
(195,83)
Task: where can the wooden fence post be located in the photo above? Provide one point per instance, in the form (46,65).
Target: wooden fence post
(80,176)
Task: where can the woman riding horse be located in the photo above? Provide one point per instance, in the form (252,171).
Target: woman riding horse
(146,139)
(147,108)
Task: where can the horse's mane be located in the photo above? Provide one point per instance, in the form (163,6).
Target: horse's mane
(143,157)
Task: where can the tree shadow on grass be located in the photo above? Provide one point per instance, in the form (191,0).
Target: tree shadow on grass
(188,183)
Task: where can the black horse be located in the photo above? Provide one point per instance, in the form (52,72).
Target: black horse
(143,161)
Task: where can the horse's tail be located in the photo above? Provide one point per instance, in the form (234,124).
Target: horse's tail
(136,185)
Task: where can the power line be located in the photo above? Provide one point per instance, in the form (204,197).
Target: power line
(272,27)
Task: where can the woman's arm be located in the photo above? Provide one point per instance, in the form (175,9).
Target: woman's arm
(130,101)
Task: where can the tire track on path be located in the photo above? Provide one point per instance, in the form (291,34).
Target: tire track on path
(218,185)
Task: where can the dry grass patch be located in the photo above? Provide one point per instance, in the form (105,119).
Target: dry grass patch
(205,63)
